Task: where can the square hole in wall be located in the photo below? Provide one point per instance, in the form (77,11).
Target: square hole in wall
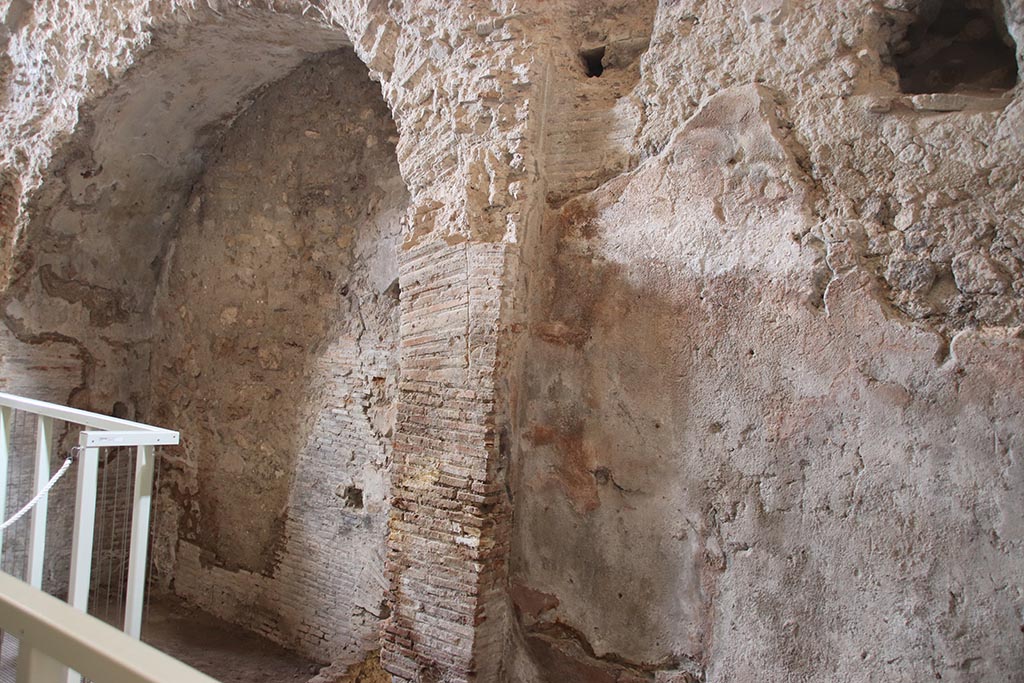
(958,46)
(593,61)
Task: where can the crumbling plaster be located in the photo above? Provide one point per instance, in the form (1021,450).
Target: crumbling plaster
(709,365)
(795,281)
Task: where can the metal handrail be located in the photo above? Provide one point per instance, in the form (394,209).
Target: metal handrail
(54,636)
(81,417)
(101,431)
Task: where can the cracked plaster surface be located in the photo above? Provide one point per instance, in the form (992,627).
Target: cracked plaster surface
(754,356)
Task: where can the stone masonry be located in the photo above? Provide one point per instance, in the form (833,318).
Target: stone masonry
(545,341)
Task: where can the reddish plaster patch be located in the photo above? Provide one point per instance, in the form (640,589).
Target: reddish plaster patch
(532,602)
(557,332)
(574,464)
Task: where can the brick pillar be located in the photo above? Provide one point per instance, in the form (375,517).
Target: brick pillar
(448,539)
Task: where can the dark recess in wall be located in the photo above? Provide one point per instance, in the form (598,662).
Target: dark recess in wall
(593,61)
(956,46)
(353,497)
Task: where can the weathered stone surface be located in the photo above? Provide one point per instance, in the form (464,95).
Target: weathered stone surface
(978,274)
(702,362)
(275,353)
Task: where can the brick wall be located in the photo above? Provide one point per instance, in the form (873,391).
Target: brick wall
(443,533)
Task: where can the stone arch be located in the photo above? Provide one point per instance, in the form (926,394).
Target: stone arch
(127,234)
(468,163)
(136,145)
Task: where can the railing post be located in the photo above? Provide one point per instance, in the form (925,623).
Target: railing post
(37,535)
(5,444)
(35,666)
(144,463)
(85,522)
(6,415)
(81,544)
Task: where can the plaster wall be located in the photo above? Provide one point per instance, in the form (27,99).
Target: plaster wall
(752,445)
(730,329)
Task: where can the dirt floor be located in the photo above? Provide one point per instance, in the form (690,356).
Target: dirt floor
(221,650)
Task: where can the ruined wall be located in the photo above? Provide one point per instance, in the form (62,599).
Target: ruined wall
(112,223)
(458,85)
(95,240)
(769,423)
(275,355)
(708,316)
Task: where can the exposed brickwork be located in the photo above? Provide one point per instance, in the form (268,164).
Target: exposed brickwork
(653,306)
(48,370)
(590,122)
(443,532)
(447,403)
(325,596)
(281,368)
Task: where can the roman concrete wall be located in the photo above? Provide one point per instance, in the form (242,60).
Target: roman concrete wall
(769,421)
(705,357)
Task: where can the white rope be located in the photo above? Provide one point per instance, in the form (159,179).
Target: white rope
(46,489)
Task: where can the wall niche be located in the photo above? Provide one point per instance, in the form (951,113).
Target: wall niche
(957,46)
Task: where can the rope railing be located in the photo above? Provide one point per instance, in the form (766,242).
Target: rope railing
(39,496)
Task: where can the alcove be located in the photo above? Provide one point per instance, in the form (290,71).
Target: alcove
(216,244)
(957,46)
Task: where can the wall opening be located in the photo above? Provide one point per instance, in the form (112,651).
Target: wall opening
(957,46)
(593,61)
(217,245)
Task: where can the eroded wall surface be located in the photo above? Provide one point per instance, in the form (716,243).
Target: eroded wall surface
(275,355)
(770,423)
(168,80)
(707,343)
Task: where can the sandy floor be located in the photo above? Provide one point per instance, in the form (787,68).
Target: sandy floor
(221,650)
(215,647)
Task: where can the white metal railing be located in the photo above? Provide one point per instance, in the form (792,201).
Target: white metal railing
(54,636)
(98,431)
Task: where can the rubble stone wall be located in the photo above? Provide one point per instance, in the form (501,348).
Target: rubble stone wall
(705,358)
